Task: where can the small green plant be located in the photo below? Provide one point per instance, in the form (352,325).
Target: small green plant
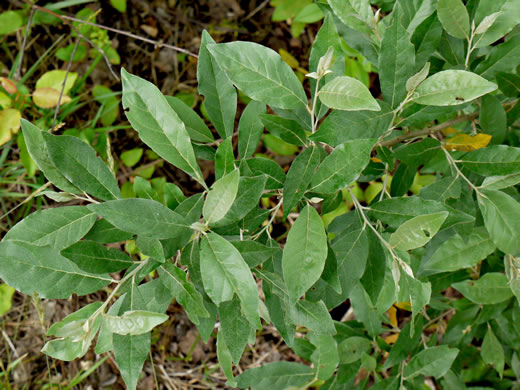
(426,273)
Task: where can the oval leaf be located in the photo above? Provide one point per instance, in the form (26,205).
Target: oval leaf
(349,94)
(305,253)
(260,73)
(158,125)
(452,87)
(417,231)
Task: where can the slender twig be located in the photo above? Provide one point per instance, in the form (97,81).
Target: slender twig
(436,128)
(117,31)
(256,10)
(31,196)
(24,43)
(453,163)
(69,65)
(64,19)
(428,130)
(266,227)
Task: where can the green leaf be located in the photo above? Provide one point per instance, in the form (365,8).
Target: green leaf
(279,146)
(342,166)
(74,341)
(119,5)
(509,15)
(418,153)
(184,292)
(70,324)
(349,94)
(260,73)
(356,14)
(56,227)
(131,351)
(37,148)
(224,159)
(265,166)
(373,278)
(220,95)
(132,156)
(490,289)
(225,273)
(221,197)
(492,352)
(365,310)
(288,130)
(134,322)
(104,232)
(57,277)
(396,60)
(6,294)
(275,375)
(93,257)
(451,87)
(493,119)
(434,361)
(351,349)
(512,266)
(10,21)
(396,211)
(306,251)
(417,231)
(313,315)
(225,360)
(151,247)
(409,338)
(253,252)
(78,162)
(325,357)
(250,129)
(499,182)
(299,177)
(235,328)
(342,126)
(195,126)
(426,39)
(143,217)
(158,125)
(443,189)
(496,160)
(110,102)
(508,83)
(454,18)
(326,38)
(502,220)
(501,58)
(250,190)
(456,252)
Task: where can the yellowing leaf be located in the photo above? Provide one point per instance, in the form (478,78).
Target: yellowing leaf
(467,143)
(449,131)
(392,315)
(376,160)
(5,100)
(9,124)
(54,79)
(404,306)
(391,339)
(48,97)
(289,58)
